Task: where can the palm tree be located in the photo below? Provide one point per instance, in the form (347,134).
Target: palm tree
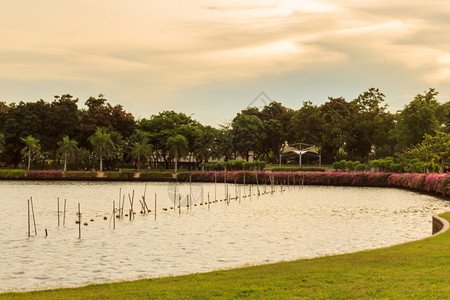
(102,143)
(67,147)
(32,145)
(178,146)
(140,146)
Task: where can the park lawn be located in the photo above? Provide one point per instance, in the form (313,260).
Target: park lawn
(419,269)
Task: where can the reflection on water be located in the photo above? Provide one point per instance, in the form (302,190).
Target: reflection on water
(297,223)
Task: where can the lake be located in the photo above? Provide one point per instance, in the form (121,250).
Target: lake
(293,224)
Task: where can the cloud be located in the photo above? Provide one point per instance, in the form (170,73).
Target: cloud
(149,52)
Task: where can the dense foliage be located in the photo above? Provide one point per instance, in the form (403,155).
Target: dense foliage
(60,135)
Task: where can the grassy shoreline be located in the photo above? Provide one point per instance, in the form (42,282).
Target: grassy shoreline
(418,269)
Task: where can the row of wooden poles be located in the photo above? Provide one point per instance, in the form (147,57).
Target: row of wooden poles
(118,212)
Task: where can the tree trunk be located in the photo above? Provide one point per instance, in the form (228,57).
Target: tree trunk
(29,159)
(176,161)
(101,162)
(65,161)
(138,162)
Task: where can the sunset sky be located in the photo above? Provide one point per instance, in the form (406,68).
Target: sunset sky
(210,59)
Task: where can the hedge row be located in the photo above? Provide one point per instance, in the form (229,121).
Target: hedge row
(13,174)
(297,169)
(432,183)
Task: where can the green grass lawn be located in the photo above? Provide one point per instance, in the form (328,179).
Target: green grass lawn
(419,270)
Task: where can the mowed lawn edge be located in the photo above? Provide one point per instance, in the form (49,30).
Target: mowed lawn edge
(419,269)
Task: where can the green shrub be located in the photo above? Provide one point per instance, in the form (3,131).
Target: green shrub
(12,174)
(182,177)
(156,176)
(261,165)
(123,175)
(339,165)
(349,165)
(374,163)
(360,167)
(355,164)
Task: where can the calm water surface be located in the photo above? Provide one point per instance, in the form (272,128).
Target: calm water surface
(297,223)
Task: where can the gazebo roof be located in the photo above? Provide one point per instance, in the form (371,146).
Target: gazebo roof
(291,150)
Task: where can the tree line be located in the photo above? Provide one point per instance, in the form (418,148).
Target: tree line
(58,134)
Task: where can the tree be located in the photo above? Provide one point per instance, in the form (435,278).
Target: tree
(63,120)
(276,111)
(67,147)
(273,140)
(2,143)
(334,115)
(433,148)
(169,124)
(32,145)
(225,148)
(443,116)
(418,118)
(205,144)
(102,143)
(102,114)
(248,134)
(365,114)
(306,124)
(139,146)
(178,146)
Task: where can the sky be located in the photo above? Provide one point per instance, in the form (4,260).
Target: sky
(211,59)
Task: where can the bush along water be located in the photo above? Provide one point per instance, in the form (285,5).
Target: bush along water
(233,165)
(294,169)
(431,183)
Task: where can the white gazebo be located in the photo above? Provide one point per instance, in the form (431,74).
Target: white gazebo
(304,149)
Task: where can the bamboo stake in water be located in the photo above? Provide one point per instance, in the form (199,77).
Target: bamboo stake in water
(175,198)
(58,210)
(244,183)
(79,222)
(145,204)
(202,194)
(64,213)
(34,219)
(179,204)
(29,233)
(155,206)
(257,183)
(123,205)
(145,191)
(208,201)
(190,187)
(114,214)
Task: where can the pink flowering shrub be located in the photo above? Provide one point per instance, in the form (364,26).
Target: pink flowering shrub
(44,175)
(432,183)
